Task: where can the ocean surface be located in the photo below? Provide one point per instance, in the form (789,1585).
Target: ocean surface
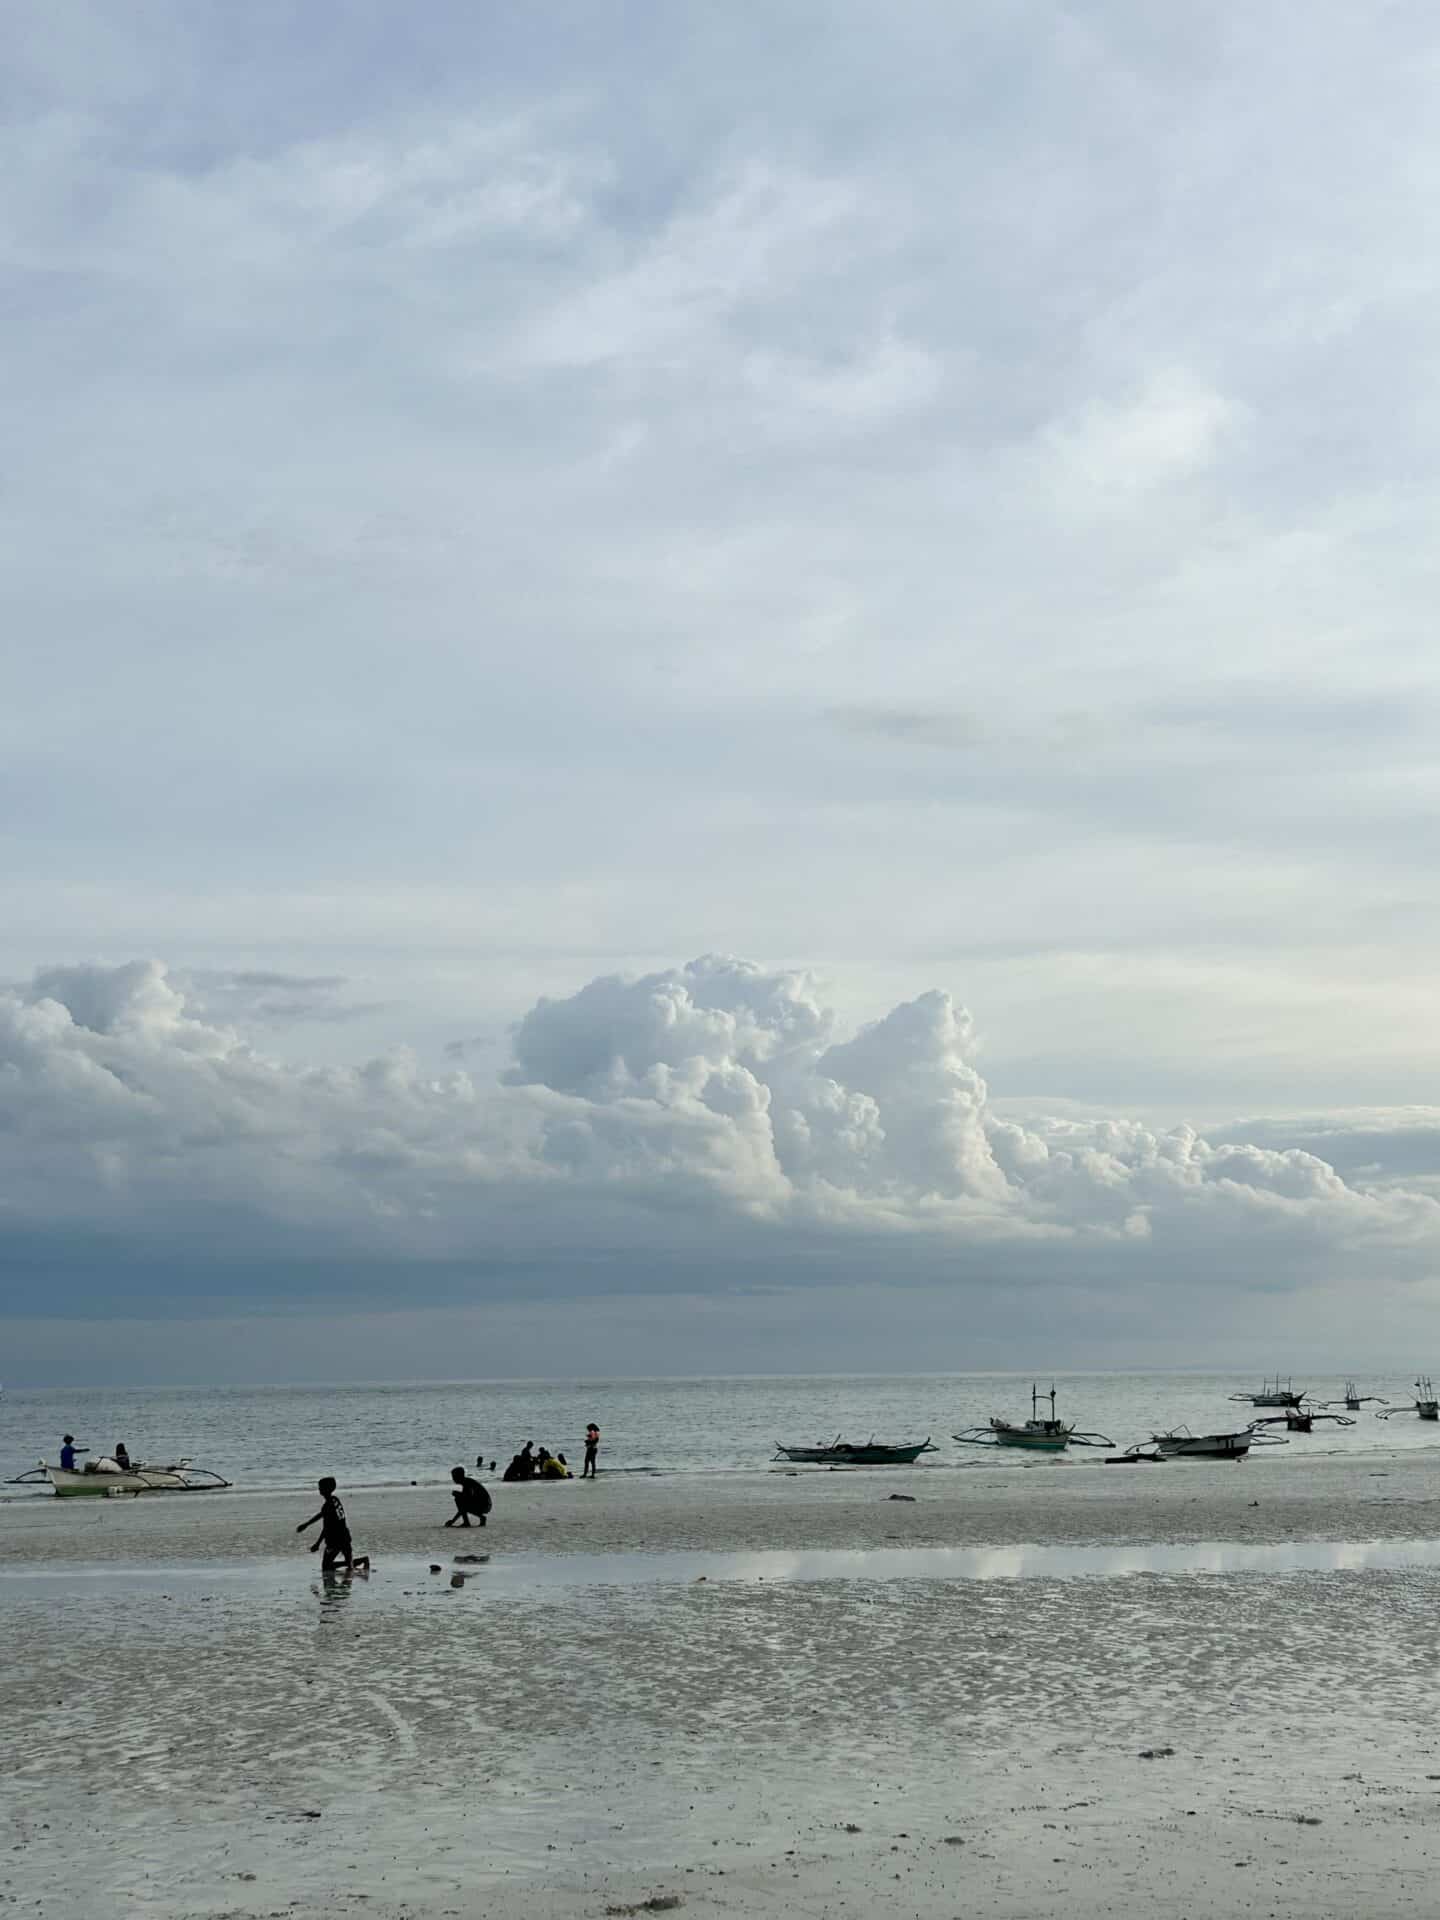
(378,1434)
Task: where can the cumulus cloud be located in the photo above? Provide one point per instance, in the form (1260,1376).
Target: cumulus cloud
(708,1116)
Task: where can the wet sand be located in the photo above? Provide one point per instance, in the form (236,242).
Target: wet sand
(199,1724)
(1365,1497)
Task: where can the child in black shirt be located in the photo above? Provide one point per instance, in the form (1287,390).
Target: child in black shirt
(334,1532)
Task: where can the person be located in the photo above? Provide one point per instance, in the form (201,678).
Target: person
(121,1456)
(592,1448)
(526,1457)
(553,1467)
(334,1534)
(470,1497)
(515,1470)
(67,1453)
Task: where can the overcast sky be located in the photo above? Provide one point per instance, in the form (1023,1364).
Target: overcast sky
(931,505)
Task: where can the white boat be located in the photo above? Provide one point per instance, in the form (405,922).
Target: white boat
(1039,1433)
(107,1476)
(1426,1402)
(1181,1444)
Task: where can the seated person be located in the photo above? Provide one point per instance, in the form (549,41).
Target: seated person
(516,1470)
(121,1456)
(553,1467)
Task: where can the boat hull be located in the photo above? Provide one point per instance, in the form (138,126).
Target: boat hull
(843,1455)
(1034,1442)
(71,1486)
(1202,1446)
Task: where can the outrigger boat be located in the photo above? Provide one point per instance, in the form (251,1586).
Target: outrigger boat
(1181,1444)
(1300,1420)
(1352,1399)
(849,1453)
(1272,1394)
(107,1476)
(1427,1404)
(1039,1434)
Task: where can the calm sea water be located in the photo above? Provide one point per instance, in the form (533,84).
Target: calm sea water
(373,1434)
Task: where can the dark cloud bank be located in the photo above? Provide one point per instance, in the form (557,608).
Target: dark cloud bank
(702,1134)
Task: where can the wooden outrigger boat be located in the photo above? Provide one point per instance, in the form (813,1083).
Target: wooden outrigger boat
(1039,1434)
(107,1476)
(1300,1420)
(848,1453)
(1181,1444)
(1272,1394)
(1426,1404)
(1352,1399)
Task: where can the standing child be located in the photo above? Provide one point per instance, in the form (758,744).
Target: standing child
(592,1449)
(334,1532)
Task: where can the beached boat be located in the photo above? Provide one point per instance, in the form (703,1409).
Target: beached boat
(1039,1434)
(107,1476)
(1426,1403)
(1180,1444)
(1272,1394)
(849,1453)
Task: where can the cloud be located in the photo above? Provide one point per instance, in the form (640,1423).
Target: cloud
(272,999)
(706,1120)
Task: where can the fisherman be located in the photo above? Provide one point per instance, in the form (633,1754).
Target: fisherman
(592,1449)
(121,1456)
(469,1497)
(334,1532)
(67,1454)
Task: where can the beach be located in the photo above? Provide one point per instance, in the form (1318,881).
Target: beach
(1196,1689)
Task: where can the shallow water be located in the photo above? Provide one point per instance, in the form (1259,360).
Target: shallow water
(512,1574)
(919,1744)
(370,1435)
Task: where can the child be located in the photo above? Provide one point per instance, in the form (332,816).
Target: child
(592,1449)
(334,1533)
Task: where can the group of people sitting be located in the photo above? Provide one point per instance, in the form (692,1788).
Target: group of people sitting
(537,1463)
(472,1498)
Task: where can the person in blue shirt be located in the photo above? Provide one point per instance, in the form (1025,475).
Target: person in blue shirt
(67,1454)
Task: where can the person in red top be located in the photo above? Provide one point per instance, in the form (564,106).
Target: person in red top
(592,1448)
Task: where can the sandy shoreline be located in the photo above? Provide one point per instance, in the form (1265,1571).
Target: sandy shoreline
(1357,1498)
(243,1739)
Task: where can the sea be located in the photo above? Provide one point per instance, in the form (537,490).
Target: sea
(396,1433)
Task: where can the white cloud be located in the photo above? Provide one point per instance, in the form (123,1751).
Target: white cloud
(1111,453)
(707,1111)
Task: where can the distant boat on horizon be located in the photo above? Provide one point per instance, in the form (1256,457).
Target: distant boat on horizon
(1272,1394)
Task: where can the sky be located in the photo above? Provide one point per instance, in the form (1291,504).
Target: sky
(717,687)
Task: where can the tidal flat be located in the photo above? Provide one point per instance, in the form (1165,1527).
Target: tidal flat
(1207,1690)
